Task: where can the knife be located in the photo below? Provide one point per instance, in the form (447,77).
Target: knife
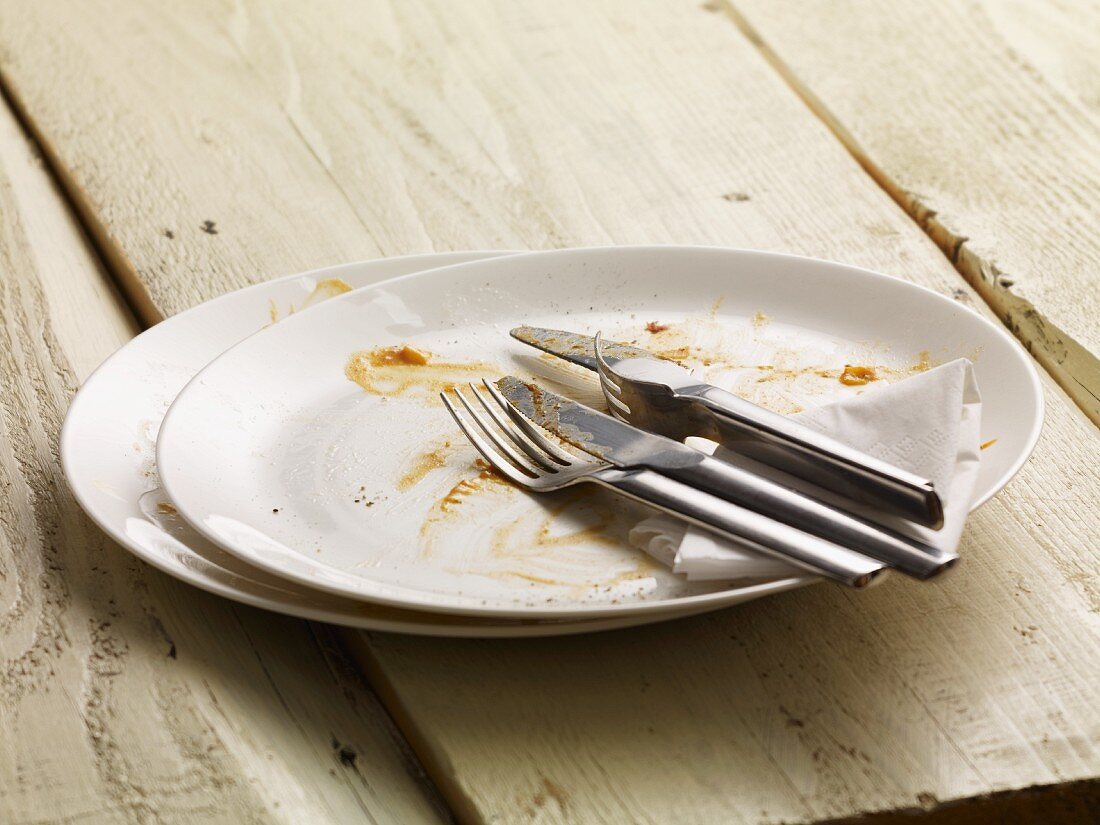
(666,398)
(628,447)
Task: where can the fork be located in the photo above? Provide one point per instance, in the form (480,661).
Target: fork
(520,451)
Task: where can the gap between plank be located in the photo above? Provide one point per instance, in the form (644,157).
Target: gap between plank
(141,308)
(110,255)
(357,645)
(1069,363)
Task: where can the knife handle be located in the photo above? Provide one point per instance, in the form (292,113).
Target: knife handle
(779,442)
(770,498)
(747,528)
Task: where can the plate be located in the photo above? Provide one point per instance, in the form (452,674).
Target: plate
(108,441)
(318,449)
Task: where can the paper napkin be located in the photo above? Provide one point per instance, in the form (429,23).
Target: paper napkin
(928,424)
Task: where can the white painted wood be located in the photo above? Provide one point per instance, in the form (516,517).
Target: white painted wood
(983,120)
(311,134)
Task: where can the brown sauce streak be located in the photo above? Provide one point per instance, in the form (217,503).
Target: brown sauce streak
(468,486)
(674,354)
(502,547)
(424,464)
(450,504)
(403,369)
(509,545)
(325,289)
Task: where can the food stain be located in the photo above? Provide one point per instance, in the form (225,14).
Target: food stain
(923,363)
(398,370)
(325,289)
(654,327)
(449,505)
(168,510)
(466,488)
(674,354)
(854,376)
(485,478)
(774,373)
(424,464)
(514,543)
(760,320)
(989,443)
(560,546)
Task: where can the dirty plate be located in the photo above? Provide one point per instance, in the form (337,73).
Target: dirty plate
(318,450)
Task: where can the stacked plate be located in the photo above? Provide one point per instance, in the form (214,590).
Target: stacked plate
(285,446)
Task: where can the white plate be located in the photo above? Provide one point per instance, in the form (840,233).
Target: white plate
(108,441)
(277,455)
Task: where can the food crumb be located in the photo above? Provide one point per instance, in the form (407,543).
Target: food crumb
(654,327)
(169,510)
(989,443)
(274,509)
(857,376)
(760,320)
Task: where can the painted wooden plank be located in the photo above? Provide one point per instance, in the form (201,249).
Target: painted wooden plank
(983,121)
(124,695)
(310,135)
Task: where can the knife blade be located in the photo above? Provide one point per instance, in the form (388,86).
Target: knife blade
(629,447)
(666,398)
(577,349)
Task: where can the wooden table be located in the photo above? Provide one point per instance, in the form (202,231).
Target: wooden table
(153,156)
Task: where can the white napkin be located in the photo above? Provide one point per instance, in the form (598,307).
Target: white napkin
(928,424)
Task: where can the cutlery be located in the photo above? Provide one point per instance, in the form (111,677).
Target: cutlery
(661,396)
(518,450)
(627,447)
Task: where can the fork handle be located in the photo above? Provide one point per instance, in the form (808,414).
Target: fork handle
(801,451)
(769,498)
(747,528)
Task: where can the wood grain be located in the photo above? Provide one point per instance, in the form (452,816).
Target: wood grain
(310,135)
(983,120)
(124,695)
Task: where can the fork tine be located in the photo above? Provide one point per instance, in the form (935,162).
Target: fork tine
(504,445)
(612,392)
(498,462)
(518,437)
(603,369)
(618,408)
(529,428)
(609,387)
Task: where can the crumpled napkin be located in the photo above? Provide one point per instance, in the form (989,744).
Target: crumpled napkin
(929,424)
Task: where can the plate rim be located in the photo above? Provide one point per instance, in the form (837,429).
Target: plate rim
(364,587)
